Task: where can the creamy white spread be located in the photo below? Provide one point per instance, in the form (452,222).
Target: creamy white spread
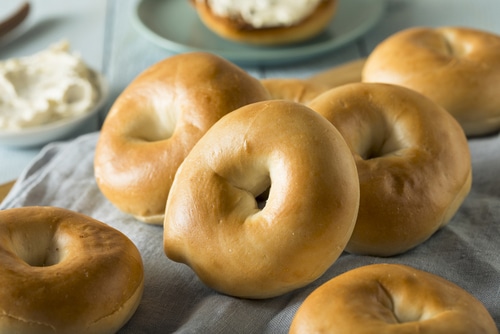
(44,87)
(265,13)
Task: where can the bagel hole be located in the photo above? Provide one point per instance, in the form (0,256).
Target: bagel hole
(388,147)
(370,153)
(409,314)
(157,129)
(384,141)
(396,309)
(448,46)
(155,122)
(406,312)
(47,257)
(452,47)
(262,198)
(38,248)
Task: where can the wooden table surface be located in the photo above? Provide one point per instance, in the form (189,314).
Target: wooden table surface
(5,188)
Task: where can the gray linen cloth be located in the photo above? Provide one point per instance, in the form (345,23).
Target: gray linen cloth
(466,252)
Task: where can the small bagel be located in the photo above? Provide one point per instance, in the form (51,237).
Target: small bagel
(63,272)
(458,68)
(412,158)
(296,90)
(391,298)
(155,122)
(236,26)
(298,162)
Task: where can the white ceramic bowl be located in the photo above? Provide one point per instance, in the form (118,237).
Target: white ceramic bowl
(61,129)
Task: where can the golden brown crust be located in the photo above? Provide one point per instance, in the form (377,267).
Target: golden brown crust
(412,159)
(458,68)
(391,298)
(236,31)
(212,220)
(155,122)
(78,275)
(296,90)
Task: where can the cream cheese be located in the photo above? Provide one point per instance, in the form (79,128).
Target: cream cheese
(45,87)
(265,13)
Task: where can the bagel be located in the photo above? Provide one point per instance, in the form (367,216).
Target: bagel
(303,175)
(391,298)
(412,158)
(456,67)
(155,122)
(63,272)
(266,23)
(296,90)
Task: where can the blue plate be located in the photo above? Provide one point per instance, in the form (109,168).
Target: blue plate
(175,26)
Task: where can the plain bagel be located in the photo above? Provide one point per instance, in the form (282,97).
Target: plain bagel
(458,68)
(64,272)
(156,121)
(391,298)
(412,158)
(303,171)
(236,27)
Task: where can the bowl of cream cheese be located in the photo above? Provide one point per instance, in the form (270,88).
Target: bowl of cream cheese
(47,96)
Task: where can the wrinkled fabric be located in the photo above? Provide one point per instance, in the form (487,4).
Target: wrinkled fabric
(466,251)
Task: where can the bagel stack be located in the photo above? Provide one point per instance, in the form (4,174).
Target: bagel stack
(258,207)
(155,122)
(384,137)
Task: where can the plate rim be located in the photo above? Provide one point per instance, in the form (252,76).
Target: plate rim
(265,57)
